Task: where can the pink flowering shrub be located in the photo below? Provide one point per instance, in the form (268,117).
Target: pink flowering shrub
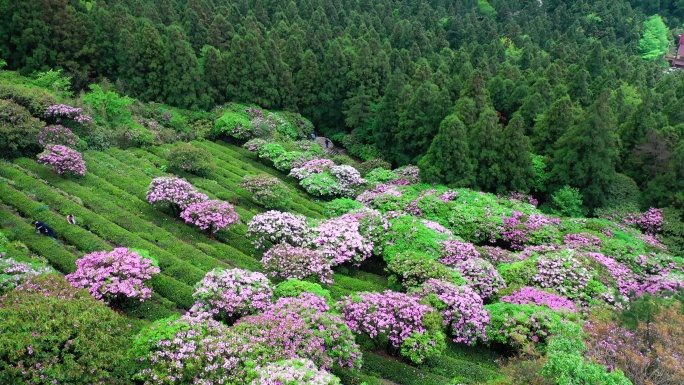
(325,185)
(314,166)
(624,278)
(461,308)
(375,198)
(295,371)
(285,261)
(583,241)
(531,295)
(498,255)
(231,294)
(114,276)
(63,111)
(521,229)
(407,174)
(651,221)
(267,191)
(57,135)
(436,226)
(563,273)
(174,192)
(291,159)
(273,227)
(12,272)
(347,176)
(456,251)
(481,276)
(340,240)
(411,268)
(255,144)
(211,215)
(448,196)
(63,160)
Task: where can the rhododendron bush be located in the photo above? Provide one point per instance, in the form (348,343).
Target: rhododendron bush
(340,241)
(534,296)
(211,215)
(481,276)
(114,276)
(57,135)
(63,160)
(13,272)
(521,326)
(267,191)
(274,227)
(285,261)
(231,294)
(174,192)
(294,372)
(411,268)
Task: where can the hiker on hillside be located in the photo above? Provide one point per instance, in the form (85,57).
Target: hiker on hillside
(313,136)
(44,229)
(71,219)
(326,142)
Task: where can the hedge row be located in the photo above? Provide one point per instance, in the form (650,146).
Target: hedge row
(235,253)
(398,372)
(462,371)
(180,292)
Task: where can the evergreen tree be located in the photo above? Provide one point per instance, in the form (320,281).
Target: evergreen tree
(447,160)
(186,89)
(485,140)
(555,121)
(516,163)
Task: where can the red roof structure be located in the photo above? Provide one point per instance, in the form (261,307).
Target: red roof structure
(676,56)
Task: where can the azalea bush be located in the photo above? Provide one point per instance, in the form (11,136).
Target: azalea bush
(55,333)
(408,174)
(521,327)
(231,294)
(267,191)
(380,176)
(235,124)
(63,160)
(339,240)
(286,261)
(341,206)
(173,192)
(291,159)
(294,288)
(455,251)
(324,185)
(461,308)
(61,112)
(114,276)
(534,296)
(314,166)
(295,371)
(57,135)
(185,157)
(347,176)
(273,227)
(482,276)
(411,268)
(13,272)
(210,215)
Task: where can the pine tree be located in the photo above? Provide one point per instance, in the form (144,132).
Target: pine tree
(447,160)
(516,163)
(485,139)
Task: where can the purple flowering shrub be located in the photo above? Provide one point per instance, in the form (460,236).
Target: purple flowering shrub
(382,196)
(314,166)
(291,159)
(497,255)
(285,261)
(13,272)
(63,160)
(521,327)
(267,191)
(461,308)
(408,174)
(482,276)
(231,294)
(211,215)
(57,112)
(57,135)
(347,176)
(340,240)
(582,241)
(521,229)
(295,371)
(114,276)
(563,273)
(273,227)
(534,296)
(455,251)
(436,226)
(174,192)
(651,221)
(411,268)
(55,333)
(255,144)
(324,185)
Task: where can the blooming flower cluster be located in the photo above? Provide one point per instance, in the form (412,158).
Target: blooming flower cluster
(285,261)
(539,297)
(293,372)
(582,241)
(324,185)
(59,111)
(481,276)
(520,228)
(369,197)
(340,241)
(13,272)
(651,221)
(498,255)
(347,176)
(314,166)
(461,308)
(115,275)
(407,175)
(563,273)
(63,160)
(266,190)
(174,192)
(623,276)
(456,251)
(436,226)
(274,227)
(448,196)
(212,215)
(394,315)
(255,144)
(524,198)
(231,294)
(57,134)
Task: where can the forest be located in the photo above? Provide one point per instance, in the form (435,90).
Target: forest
(502,202)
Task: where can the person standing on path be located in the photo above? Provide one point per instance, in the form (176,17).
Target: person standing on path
(326,142)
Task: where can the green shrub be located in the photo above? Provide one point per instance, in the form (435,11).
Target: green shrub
(398,372)
(108,108)
(340,206)
(34,99)
(235,124)
(622,191)
(381,175)
(521,327)
(68,336)
(518,274)
(294,287)
(412,268)
(187,158)
(18,131)
(568,202)
(369,165)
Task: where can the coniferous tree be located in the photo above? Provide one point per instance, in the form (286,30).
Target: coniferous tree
(485,140)
(516,163)
(447,160)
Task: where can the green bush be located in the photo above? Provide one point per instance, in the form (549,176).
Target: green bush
(521,327)
(235,124)
(391,370)
(518,274)
(381,175)
(108,108)
(294,287)
(412,268)
(568,202)
(18,131)
(187,158)
(52,331)
(340,206)
(369,165)
(33,99)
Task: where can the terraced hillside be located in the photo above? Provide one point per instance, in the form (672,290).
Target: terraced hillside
(110,206)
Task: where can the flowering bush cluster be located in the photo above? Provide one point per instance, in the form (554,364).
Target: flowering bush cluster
(174,192)
(531,295)
(521,229)
(273,227)
(407,175)
(411,268)
(323,184)
(231,294)
(340,241)
(380,192)
(436,226)
(624,278)
(456,251)
(651,221)
(582,241)
(563,273)
(381,175)
(285,261)
(63,160)
(481,276)
(60,111)
(291,159)
(211,215)
(12,272)
(498,255)
(267,191)
(114,276)
(255,144)
(461,308)
(296,371)
(57,135)
(521,326)
(347,176)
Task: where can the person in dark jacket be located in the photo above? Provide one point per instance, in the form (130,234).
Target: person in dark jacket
(44,229)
